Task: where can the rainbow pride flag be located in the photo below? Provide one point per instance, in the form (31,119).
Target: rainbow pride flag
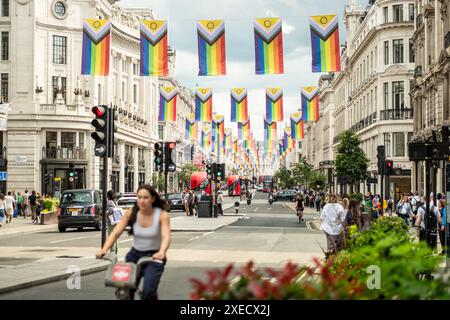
(244,130)
(206,138)
(96,47)
(203,104)
(228,140)
(310,103)
(211,47)
(168,104)
(270,130)
(218,129)
(191,127)
(239,105)
(268,46)
(297,132)
(154,60)
(326,56)
(235,147)
(274,104)
(288,142)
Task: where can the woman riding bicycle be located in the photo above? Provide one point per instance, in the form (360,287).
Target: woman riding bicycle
(150,226)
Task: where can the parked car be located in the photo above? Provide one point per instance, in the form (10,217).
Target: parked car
(285,195)
(126,203)
(126,195)
(259,188)
(175,201)
(80,208)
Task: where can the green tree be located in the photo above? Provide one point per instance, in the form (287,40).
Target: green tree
(284,177)
(186,172)
(303,173)
(351,162)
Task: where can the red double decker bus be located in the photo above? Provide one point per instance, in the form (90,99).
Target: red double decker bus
(233,186)
(267,181)
(200,183)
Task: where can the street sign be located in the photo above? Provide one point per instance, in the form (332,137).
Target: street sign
(71,179)
(3,175)
(419,151)
(100,150)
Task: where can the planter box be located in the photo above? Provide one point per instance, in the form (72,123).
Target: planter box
(49,218)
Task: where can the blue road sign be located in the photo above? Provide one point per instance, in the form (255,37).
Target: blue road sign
(3,175)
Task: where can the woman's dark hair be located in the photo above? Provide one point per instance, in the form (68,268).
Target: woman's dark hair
(110,195)
(157,203)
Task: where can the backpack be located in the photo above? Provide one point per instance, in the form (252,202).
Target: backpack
(433,219)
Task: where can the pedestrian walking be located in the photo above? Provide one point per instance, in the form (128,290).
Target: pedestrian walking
(186,202)
(191,200)
(435,221)
(406,209)
(111,205)
(333,219)
(219,202)
(318,200)
(33,206)
(19,204)
(10,205)
(26,204)
(2,209)
(443,212)
(149,224)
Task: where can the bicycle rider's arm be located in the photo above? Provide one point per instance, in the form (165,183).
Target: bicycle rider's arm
(115,234)
(165,236)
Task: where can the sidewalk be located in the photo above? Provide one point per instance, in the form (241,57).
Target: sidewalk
(67,260)
(20,225)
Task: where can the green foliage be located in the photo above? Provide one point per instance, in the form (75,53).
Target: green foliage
(284,177)
(351,161)
(158,181)
(50,204)
(387,245)
(186,172)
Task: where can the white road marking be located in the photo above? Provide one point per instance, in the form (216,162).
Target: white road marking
(195,238)
(256,227)
(57,241)
(205,234)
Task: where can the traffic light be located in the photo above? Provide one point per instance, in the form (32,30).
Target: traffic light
(381,155)
(389,167)
(158,157)
(209,170)
(220,172)
(169,151)
(100,135)
(112,129)
(72,173)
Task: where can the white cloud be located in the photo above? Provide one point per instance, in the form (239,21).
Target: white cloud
(287,28)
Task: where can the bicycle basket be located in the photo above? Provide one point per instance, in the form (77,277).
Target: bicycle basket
(121,275)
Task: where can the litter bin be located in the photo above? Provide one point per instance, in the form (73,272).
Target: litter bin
(204,207)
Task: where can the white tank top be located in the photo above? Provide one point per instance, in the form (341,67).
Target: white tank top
(146,239)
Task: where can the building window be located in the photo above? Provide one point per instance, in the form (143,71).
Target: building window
(59,50)
(124,65)
(411,51)
(399,144)
(123,91)
(386,52)
(386,95)
(161,131)
(5,8)
(55,87)
(5,45)
(136,69)
(397,95)
(135,93)
(51,140)
(411,11)
(81,141)
(397,51)
(68,144)
(387,143)
(4,89)
(398,13)
(60,9)
(386,14)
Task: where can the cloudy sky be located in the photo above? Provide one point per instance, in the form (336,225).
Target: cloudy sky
(239,16)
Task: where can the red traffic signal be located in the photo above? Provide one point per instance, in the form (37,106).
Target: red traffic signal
(171,145)
(99,111)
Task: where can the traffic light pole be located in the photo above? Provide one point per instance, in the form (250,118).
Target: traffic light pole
(105,191)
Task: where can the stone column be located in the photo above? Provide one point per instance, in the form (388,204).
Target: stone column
(130,86)
(122,166)
(120,98)
(136,167)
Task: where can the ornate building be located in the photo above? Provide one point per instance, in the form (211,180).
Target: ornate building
(368,95)
(430,91)
(49,125)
